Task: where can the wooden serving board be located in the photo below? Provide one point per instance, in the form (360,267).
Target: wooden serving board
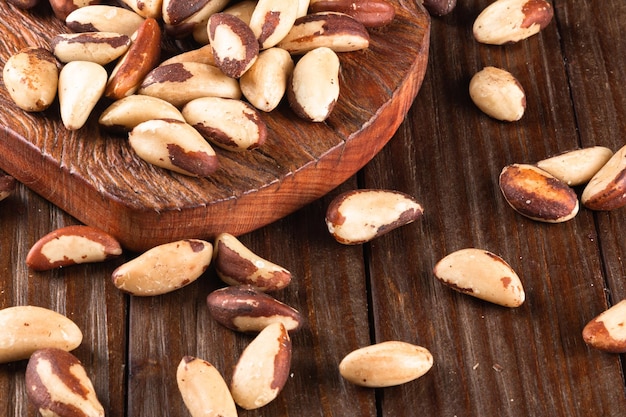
(95,176)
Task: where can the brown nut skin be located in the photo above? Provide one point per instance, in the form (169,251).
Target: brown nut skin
(234,58)
(439,7)
(142,56)
(99,47)
(371,13)
(244,308)
(607,331)
(510,21)
(536,194)
(58,385)
(72,245)
(607,188)
(104,18)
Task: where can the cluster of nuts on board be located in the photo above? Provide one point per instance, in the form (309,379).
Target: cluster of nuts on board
(544,191)
(252,55)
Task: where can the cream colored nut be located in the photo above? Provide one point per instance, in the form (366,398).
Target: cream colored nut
(31,78)
(607,189)
(58,385)
(142,56)
(62,8)
(72,245)
(235,264)
(145,8)
(481,274)
(498,94)
(196,21)
(607,331)
(265,83)
(182,82)
(99,47)
(272,20)
(104,18)
(536,194)
(204,391)
(577,166)
(203,55)
(262,369)
(244,308)
(164,268)
(7,185)
(337,31)
(126,113)
(81,85)
(26,329)
(235,47)
(174,145)
(509,21)
(228,123)
(314,86)
(386,364)
(358,216)
(242,9)
(175,12)
(372,13)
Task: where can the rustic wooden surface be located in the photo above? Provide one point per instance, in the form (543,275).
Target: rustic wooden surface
(489,360)
(96,177)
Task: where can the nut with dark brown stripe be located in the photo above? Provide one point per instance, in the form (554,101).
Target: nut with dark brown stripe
(235,46)
(235,264)
(58,385)
(244,308)
(358,216)
(607,331)
(99,47)
(72,245)
(372,13)
(536,194)
(174,145)
(104,18)
(262,369)
(607,188)
(271,20)
(228,123)
(164,268)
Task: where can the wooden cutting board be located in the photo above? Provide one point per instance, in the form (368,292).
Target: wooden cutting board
(95,176)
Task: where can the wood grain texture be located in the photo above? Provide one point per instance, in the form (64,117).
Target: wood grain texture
(97,178)
(488,360)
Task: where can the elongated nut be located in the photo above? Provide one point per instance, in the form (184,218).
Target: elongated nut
(358,216)
(58,385)
(607,331)
(481,274)
(228,123)
(174,12)
(99,47)
(235,47)
(126,113)
(151,9)
(314,86)
(81,85)
(578,166)
(164,268)
(142,56)
(104,18)
(265,83)
(235,264)
(607,189)
(498,94)
(180,83)
(337,31)
(262,369)
(196,24)
(244,308)
(271,20)
(26,329)
(386,364)
(204,391)
(72,245)
(174,145)
(536,194)
(371,13)
(509,21)
(7,185)
(203,55)
(31,78)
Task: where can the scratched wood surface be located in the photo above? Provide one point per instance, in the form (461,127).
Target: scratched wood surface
(488,360)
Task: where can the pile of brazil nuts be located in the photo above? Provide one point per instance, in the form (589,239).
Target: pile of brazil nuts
(250,56)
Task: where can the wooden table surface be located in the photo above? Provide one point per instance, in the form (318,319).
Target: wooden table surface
(488,360)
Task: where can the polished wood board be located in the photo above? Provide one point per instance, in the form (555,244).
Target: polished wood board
(97,178)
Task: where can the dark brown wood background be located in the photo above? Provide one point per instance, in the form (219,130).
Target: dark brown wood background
(489,360)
